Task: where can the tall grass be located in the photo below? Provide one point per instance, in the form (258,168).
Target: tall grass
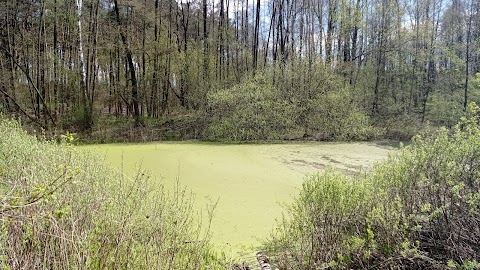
(418,210)
(64,209)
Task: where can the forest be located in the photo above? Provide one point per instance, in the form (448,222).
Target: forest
(239,69)
(255,72)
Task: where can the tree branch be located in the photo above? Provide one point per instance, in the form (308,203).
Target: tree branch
(31,83)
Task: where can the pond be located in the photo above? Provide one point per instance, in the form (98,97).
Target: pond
(250,181)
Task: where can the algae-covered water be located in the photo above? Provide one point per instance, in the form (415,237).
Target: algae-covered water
(250,181)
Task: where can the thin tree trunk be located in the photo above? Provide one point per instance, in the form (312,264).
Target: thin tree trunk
(131,67)
(467,56)
(256,36)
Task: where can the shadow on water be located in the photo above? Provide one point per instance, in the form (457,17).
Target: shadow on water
(387,144)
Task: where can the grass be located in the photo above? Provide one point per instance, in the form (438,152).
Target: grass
(62,209)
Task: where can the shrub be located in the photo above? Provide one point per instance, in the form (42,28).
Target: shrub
(325,106)
(64,209)
(420,209)
(322,228)
(335,116)
(445,108)
(287,103)
(252,110)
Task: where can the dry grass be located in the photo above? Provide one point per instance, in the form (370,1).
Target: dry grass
(62,209)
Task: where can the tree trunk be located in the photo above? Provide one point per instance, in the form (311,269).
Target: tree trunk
(131,67)
(82,67)
(256,34)
(467,56)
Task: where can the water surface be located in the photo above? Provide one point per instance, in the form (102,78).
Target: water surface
(248,180)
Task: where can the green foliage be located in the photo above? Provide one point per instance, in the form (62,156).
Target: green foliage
(77,118)
(322,229)
(468,265)
(334,115)
(417,210)
(445,108)
(325,105)
(61,207)
(252,110)
(285,103)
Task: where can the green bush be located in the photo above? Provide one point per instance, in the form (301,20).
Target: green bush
(252,110)
(64,209)
(445,108)
(77,118)
(334,115)
(287,103)
(325,106)
(322,228)
(420,209)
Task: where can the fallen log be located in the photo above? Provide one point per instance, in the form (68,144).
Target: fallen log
(263,261)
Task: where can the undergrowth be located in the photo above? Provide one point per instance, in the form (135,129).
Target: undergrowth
(420,209)
(289,105)
(65,209)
